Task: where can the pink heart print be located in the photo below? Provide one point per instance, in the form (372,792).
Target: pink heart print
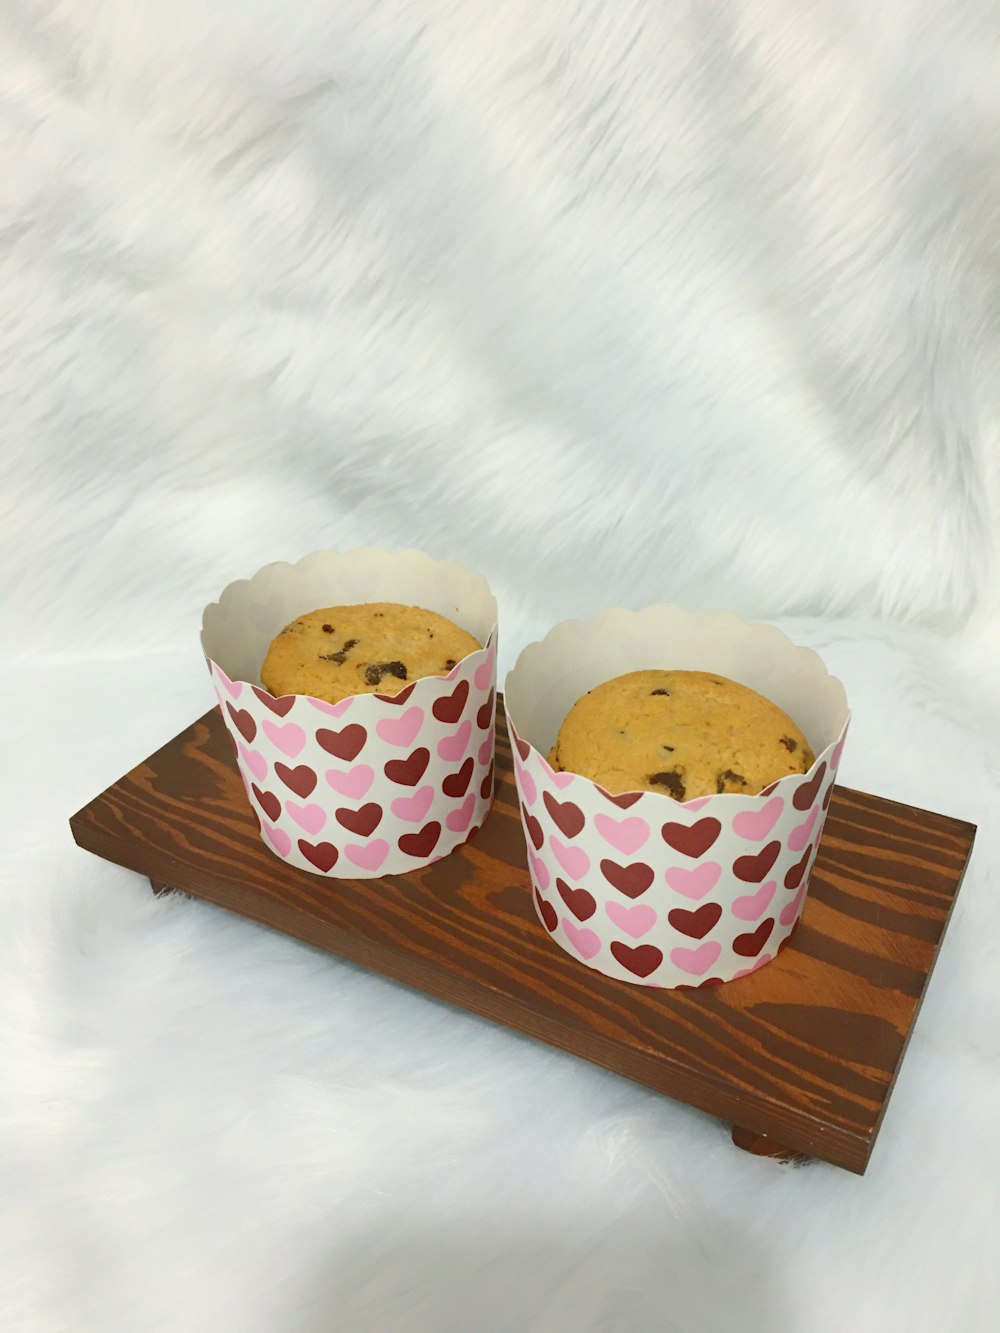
(401,730)
(486,749)
(354,783)
(369,856)
(484,672)
(584,941)
(310,817)
(694,883)
(757,824)
(696,962)
(526,783)
(254,760)
(289,738)
(453,747)
(413,808)
(332,710)
(626,835)
(539,870)
(751,906)
(234,687)
(791,910)
(562,780)
(278,838)
(574,860)
(459,820)
(799,835)
(637,920)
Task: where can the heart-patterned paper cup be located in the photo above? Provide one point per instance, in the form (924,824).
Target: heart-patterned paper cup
(376,784)
(639,886)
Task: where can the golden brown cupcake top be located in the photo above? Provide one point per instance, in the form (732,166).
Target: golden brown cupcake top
(338,651)
(684,734)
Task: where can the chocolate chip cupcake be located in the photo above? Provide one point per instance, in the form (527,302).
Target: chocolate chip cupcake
(684,734)
(340,651)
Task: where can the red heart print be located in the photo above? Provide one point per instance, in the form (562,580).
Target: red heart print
(694,839)
(533,829)
(523,748)
(268,802)
(794,877)
(579,901)
(363,821)
(632,880)
(709,981)
(242,721)
(826,796)
(568,818)
(486,786)
(450,708)
(548,912)
(695,925)
(323,855)
(805,794)
(623,800)
(750,945)
(399,698)
(300,780)
(754,869)
(767,792)
(408,772)
(484,718)
(422,843)
(457,784)
(282,706)
(641,960)
(346,744)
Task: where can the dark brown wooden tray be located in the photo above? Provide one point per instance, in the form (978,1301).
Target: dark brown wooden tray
(801,1056)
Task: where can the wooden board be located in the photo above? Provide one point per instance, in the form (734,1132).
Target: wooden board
(801,1056)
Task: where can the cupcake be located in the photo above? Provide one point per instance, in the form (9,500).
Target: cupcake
(671,837)
(683,733)
(368,648)
(367,748)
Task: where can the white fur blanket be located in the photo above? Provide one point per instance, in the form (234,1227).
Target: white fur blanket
(618,302)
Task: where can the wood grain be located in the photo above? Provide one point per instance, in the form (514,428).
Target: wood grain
(800,1056)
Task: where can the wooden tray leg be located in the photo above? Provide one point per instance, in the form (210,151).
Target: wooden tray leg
(762,1146)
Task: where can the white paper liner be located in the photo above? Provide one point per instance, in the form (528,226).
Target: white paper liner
(644,888)
(376,784)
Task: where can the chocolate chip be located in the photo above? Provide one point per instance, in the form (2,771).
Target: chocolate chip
(666,692)
(375,672)
(327,629)
(450,662)
(789,743)
(340,655)
(671,780)
(671,748)
(727,777)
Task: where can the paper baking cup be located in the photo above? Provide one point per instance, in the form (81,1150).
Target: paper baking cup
(639,886)
(377,784)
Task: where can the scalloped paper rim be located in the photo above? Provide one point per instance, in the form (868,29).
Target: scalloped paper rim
(237,629)
(551,673)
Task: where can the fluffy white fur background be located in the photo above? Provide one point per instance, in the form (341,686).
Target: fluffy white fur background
(618,301)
